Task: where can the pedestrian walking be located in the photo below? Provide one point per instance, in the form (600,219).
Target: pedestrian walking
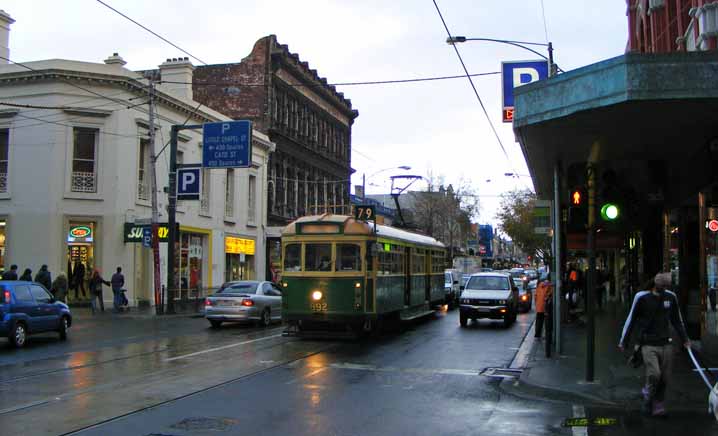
(59,288)
(78,279)
(95,287)
(26,275)
(118,282)
(44,277)
(544,291)
(652,313)
(10,275)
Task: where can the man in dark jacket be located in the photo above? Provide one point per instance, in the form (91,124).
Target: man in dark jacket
(10,275)
(117,282)
(651,315)
(44,277)
(78,279)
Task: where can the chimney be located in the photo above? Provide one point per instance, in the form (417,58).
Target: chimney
(178,70)
(115,59)
(5,22)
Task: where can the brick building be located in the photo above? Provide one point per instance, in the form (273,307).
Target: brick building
(661,26)
(308,120)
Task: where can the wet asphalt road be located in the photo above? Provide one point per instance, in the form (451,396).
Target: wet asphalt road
(178,377)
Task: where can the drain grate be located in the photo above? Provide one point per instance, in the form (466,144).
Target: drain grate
(501,372)
(204,423)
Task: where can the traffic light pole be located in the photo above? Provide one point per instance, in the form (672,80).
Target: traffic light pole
(557,229)
(590,290)
(172,213)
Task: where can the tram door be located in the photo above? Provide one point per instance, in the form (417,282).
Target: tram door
(407,276)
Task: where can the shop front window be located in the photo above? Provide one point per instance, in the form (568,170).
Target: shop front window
(190,265)
(3,254)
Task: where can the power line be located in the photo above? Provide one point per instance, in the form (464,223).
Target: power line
(67,125)
(545,26)
(153,32)
(476,92)
(370,82)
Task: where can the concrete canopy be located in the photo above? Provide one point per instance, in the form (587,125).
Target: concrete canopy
(641,108)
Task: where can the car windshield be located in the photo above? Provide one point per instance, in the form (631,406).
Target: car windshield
(488,283)
(517,274)
(238,288)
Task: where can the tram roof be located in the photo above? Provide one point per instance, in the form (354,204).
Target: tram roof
(355,227)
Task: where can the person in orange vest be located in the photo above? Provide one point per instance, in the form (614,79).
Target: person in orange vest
(544,291)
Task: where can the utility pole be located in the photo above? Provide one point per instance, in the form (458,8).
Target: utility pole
(155,207)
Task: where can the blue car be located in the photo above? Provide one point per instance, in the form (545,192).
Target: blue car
(27,308)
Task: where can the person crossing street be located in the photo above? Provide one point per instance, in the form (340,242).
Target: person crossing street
(652,313)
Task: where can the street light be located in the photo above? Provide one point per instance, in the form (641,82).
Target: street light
(452,40)
(363,177)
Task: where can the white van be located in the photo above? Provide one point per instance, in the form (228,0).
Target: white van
(452,287)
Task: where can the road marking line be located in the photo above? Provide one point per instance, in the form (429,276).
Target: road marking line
(374,368)
(224,347)
(579,412)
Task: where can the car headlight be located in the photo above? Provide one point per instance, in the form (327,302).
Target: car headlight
(502,301)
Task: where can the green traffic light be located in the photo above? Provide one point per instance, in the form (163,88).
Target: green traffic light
(609,212)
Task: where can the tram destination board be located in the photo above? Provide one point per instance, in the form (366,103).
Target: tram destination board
(227,144)
(363,212)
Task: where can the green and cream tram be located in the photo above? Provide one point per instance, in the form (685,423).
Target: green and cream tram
(343,276)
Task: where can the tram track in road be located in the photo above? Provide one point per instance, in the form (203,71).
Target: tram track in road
(31,375)
(205,389)
(167,368)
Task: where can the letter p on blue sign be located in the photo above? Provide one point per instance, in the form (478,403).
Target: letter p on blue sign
(189,183)
(515,74)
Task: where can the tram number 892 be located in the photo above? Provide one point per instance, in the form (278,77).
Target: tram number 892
(319,306)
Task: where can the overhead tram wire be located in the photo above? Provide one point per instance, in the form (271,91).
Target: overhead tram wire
(153,32)
(473,86)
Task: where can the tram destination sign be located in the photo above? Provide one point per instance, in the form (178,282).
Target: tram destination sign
(227,144)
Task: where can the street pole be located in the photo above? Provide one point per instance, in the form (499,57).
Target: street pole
(155,207)
(558,288)
(551,71)
(591,253)
(363,187)
(171,219)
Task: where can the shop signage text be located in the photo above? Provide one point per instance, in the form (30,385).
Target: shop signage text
(135,232)
(79,234)
(234,245)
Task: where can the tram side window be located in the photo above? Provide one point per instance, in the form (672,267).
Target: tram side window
(293,257)
(348,257)
(437,262)
(318,257)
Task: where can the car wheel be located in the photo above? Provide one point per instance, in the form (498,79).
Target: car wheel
(509,319)
(64,325)
(18,335)
(463,320)
(215,323)
(266,319)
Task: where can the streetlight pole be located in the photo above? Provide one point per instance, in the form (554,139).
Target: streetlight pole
(521,44)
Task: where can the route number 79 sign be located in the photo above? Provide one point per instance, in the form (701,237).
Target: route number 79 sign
(365,213)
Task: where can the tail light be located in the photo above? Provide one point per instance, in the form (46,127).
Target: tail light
(208,302)
(7,297)
(247,302)
(524,297)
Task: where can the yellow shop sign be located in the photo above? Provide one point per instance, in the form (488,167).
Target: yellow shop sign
(234,245)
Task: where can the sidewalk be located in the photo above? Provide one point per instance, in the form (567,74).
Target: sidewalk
(81,313)
(616,384)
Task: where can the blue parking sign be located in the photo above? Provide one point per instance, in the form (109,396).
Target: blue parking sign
(515,74)
(227,144)
(147,237)
(189,182)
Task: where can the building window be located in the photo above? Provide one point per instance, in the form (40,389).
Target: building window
(143,170)
(204,196)
(229,194)
(4,154)
(252,200)
(84,160)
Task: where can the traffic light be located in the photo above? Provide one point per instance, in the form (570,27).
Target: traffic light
(610,211)
(610,204)
(577,210)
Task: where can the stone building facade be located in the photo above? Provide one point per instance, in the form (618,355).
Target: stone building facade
(308,120)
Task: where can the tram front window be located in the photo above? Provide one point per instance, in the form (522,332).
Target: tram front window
(318,257)
(348,257)
(293,257)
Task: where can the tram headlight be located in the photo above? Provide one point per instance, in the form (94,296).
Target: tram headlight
(284,284)
(357,285)
(317,295)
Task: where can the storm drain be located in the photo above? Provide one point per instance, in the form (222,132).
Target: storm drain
(204,423)
(501,372)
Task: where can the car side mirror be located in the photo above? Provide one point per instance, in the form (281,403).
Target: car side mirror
(515,289)
(456,282)
(461,288)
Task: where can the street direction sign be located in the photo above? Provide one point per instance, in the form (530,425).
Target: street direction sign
(227,144)
(515,74)
(189,182)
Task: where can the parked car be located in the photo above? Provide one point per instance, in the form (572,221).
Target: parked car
(27,308)
(489,295)
(518,274)
(525,296)
(244,301)
(452,287)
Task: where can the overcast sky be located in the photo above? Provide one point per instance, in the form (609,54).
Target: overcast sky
(435,127)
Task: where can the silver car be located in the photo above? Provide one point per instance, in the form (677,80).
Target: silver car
(244,301)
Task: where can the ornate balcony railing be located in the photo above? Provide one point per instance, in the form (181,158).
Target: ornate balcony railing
(84,182)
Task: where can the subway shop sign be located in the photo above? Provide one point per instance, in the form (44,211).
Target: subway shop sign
(133,232)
